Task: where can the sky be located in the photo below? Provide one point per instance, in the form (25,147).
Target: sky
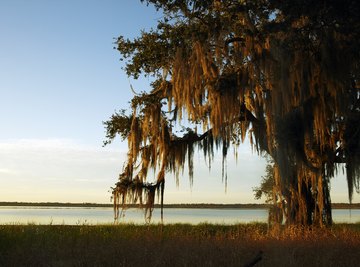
(60,78)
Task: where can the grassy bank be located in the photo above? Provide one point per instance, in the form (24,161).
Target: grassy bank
(177,245)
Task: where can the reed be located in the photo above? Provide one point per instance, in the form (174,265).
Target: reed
(177,245)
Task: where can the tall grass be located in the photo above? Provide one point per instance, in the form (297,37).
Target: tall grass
(177,245)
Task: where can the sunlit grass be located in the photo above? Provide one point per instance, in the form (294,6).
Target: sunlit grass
(177,245)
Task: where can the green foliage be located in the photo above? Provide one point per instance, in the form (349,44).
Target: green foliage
(118,124)
(266,188)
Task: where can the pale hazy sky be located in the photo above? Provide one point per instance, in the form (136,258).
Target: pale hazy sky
(59,79)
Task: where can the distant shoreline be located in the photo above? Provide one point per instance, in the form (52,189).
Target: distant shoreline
(184,206)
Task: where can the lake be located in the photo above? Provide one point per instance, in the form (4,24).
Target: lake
(100,215)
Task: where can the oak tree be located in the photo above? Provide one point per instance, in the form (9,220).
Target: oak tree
(284,74)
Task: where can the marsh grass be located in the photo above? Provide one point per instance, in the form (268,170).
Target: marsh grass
(177,245)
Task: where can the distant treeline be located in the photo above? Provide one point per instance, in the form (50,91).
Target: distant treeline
(54,204)
(180,206)
(187,206)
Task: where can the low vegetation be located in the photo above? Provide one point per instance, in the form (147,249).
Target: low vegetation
(178,245)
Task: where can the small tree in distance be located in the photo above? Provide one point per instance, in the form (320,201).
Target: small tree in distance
(284,74)
(268,190)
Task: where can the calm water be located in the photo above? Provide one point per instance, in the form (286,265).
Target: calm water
(73,216)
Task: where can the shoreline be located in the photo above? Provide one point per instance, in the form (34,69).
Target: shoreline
(183,206)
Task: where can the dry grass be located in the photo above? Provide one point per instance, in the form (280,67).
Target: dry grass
(177,245)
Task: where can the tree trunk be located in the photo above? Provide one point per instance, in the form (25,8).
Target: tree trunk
(308,205)
(303,200)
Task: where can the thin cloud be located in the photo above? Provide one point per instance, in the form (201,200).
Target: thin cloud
(8,171)
(57,169)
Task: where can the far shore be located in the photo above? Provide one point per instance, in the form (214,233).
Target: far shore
(183,206)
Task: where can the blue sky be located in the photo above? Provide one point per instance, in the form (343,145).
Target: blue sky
(59,79)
